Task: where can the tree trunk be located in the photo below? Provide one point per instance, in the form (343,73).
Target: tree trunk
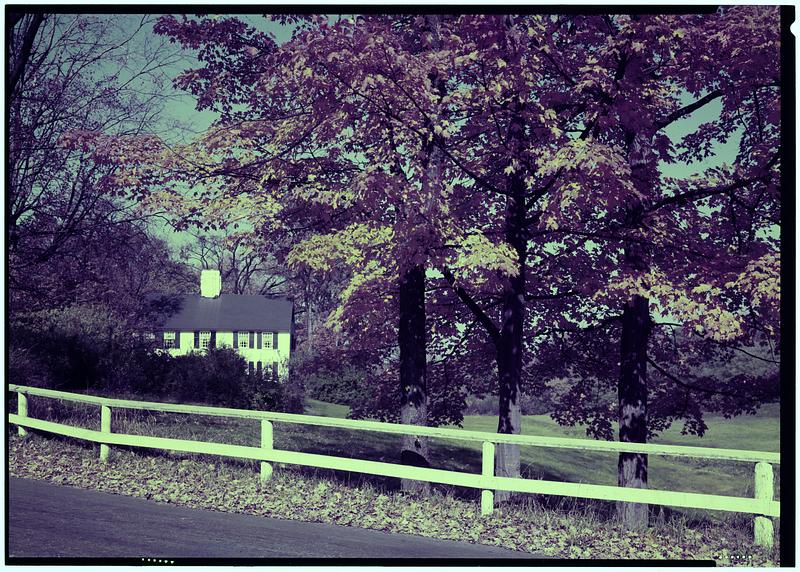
(510,343)
(632,467)
(414,400)
(309,326)
(509,365)
(632,389)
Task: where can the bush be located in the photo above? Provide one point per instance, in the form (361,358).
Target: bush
(86,348)
(80,347)
(489,404)
(340,387)
(217,378)
(275,396)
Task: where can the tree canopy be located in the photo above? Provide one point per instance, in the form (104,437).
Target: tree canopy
(538,167)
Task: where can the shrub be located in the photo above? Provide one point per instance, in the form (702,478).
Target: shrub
(79,347)
(87,348)
(217,378)
(318,376)
(340,387)
(489,404)
(275,396)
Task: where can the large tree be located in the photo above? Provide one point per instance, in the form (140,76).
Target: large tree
(338,165)
(71,73)
(520,157)
(695,247)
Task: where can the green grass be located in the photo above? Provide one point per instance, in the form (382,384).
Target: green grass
(758,432)
(755,432)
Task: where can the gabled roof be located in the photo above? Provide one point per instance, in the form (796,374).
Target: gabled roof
(228,312)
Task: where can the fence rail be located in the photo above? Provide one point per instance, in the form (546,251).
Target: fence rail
(762,505)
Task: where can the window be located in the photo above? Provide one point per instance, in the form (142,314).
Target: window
(267,336)
(169,339)
(244,339)
(150,336)
(205,339)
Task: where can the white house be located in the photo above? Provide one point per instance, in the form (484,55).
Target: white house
(258,327)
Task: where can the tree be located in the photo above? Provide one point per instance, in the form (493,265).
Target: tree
(636,317)
(547,215)
(69,73)
(594,186)
(242,270)
(666,246)
(379,139)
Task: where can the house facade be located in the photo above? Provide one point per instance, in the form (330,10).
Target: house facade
(260,329)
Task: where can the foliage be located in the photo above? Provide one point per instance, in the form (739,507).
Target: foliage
(71,238)
(88,348)
(561,147)
(218,377)
(688,376)
(286,395)
(368,382)
(76,347)
(332,381)
(379,397)
(529,404)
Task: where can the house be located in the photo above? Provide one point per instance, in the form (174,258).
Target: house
(258,327)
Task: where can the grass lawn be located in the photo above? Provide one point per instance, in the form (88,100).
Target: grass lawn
(752,432)
(760,432)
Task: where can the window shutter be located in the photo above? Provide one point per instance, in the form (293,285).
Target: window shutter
(250,368)
(212,343)
(275,340)
(197,339)
(258,340)
(258,368)
(177,339)
(235,340)
(252,340)
(275,371)
(160,338)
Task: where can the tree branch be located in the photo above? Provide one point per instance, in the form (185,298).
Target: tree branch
(469,301)
(689,386)
(710,191)
(531,297)
(25,50)
(684,111)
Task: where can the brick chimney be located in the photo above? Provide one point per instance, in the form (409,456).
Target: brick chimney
(210,283)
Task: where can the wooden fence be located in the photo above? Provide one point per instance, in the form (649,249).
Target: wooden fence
(762,505)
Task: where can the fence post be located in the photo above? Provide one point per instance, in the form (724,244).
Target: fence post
(764,490)
(266,443)
(105,427)
(487,470)
(22,411)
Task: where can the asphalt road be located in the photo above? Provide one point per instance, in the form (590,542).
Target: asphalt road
(56,521)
